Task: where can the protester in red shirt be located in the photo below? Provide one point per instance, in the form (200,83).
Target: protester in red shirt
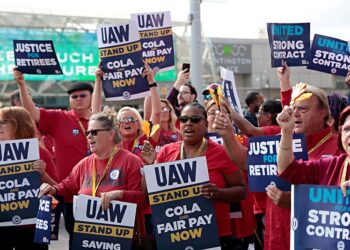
(226,182)
(16,123)
(311,118)
(122,178)
(66,128)
(323,171)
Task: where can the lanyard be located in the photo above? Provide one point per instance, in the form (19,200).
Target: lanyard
(87,142)
(95,187)
(345,170)
(199,151)
(323,140)
(135,145)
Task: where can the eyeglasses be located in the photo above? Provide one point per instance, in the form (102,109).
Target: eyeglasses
(130,119)
(3,123)
(193,119)
(262,112)
(208,97)
(165,109)
(94,132)
(182,93)
(77,96)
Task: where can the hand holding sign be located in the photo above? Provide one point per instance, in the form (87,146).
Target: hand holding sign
(106,198)
(150,73)
(18,76)
(46,189)
(283,74)
(99,73)
(39,166)
(148,153)
(222,125)
(279,197)
(209,191)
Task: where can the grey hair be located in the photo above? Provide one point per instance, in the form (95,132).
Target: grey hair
(137,114)
(322,100)
(108,120)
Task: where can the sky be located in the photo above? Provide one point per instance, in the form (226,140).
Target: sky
(220,18)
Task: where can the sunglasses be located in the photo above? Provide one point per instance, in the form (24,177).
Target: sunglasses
(77,96)
(193,119)
(208,97)
(94,132)
(165,109)
(130,119)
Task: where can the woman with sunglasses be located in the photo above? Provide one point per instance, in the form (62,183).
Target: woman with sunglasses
(110,172)
(15,124)
(226,182)
(129,119)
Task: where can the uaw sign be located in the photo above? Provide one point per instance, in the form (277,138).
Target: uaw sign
(182,217)
(236,57)
(96,228)
(320,218)
(19,182)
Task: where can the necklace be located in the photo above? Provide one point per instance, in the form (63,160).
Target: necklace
(323,140)
(199,151)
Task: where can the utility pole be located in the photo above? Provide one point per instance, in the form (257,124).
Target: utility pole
(196,48)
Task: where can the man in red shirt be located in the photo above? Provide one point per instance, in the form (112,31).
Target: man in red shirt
(311,118)
(67,131)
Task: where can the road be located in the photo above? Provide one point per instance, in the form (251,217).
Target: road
(62,242)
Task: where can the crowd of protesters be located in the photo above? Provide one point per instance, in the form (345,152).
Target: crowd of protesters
(103,138)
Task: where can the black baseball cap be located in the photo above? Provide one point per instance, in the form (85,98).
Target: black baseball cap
(80,86)
(211,86)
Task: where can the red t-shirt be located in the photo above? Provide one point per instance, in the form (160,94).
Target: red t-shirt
(324,171)
(327,149)
(69,141)
(166,137)
(271,130)
(219,164)
(123,174)
(277,226)
(50,169)
(136,146)
(245,226)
